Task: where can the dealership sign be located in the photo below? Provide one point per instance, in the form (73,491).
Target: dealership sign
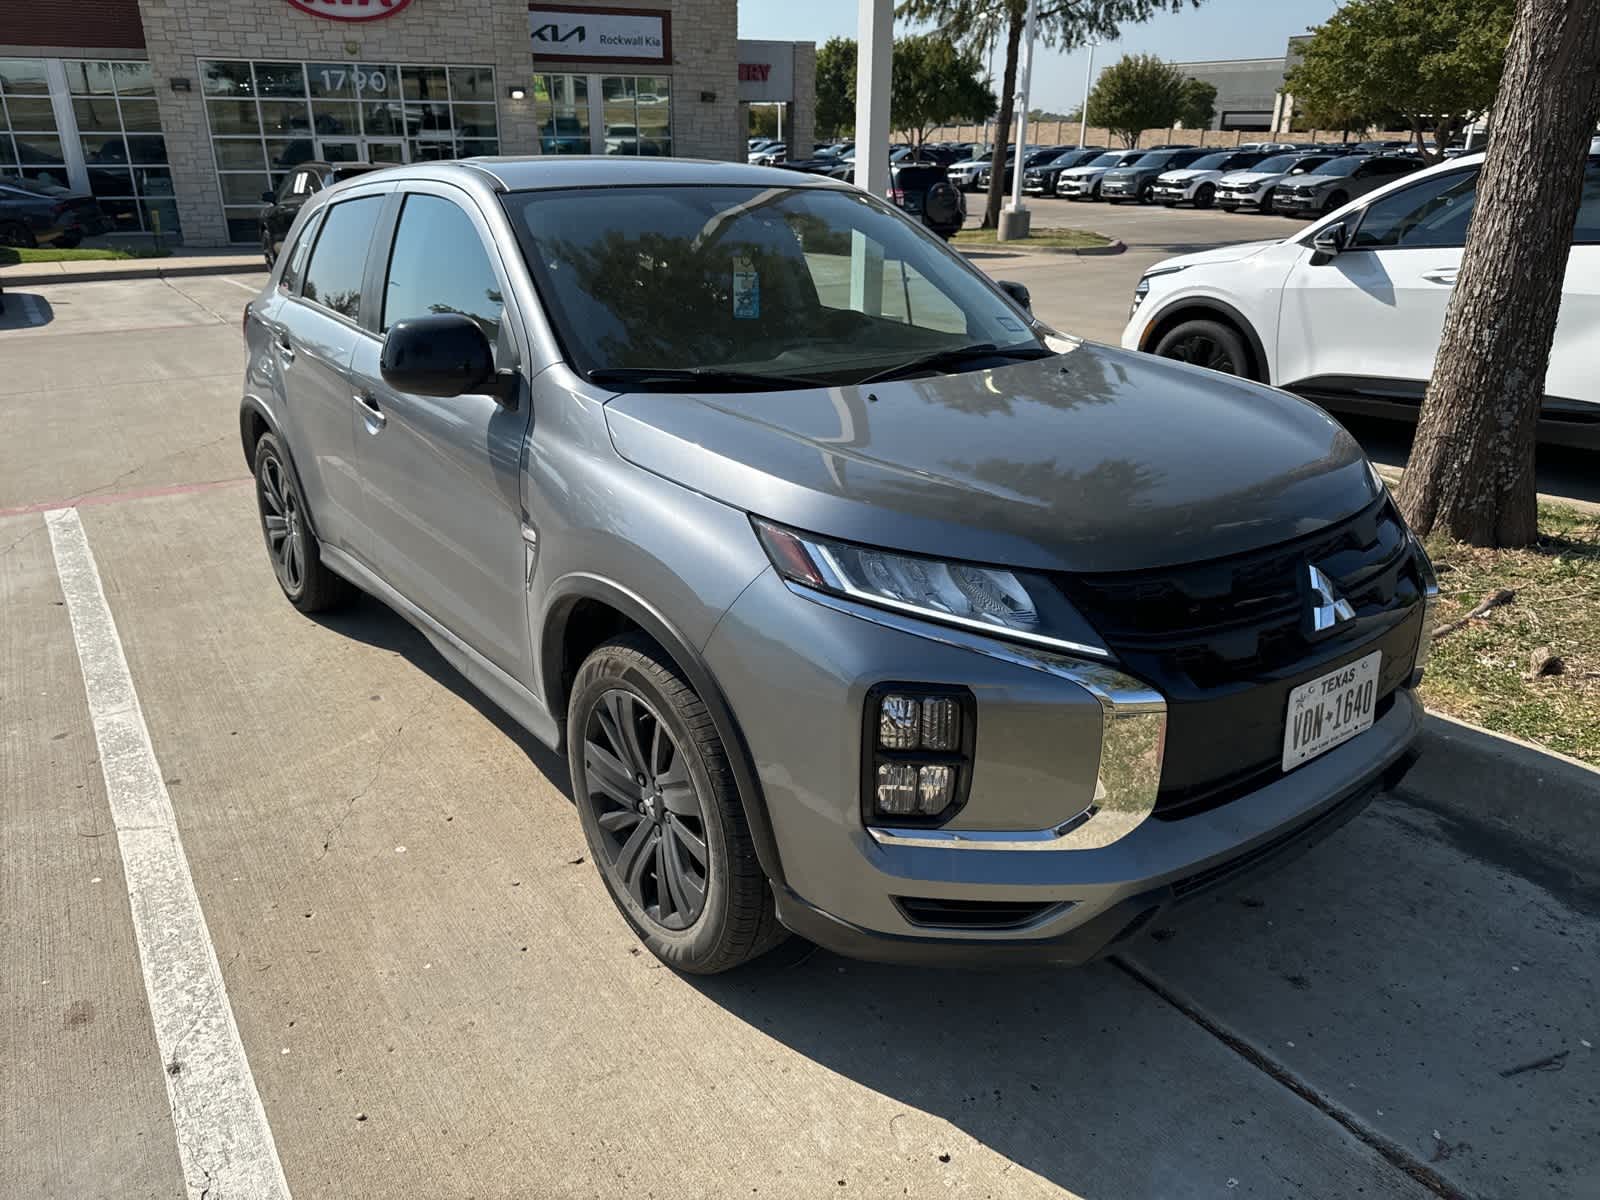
(766,71)
(351,10)
(600,34)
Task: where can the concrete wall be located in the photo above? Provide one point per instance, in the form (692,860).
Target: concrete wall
(1065,133)
(1244,85)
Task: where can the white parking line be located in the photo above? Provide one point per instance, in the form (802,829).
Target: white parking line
(224,1142)
(236,283)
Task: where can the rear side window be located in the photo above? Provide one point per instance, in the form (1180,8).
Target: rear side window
(333,278)
(295,267)
(439,265)
(1587,231)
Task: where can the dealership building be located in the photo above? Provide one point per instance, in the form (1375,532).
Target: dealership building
(179,114)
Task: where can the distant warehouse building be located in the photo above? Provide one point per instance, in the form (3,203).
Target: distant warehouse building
(1247,90)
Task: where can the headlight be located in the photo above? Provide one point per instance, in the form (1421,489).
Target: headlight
(1142,288)
(1008,604)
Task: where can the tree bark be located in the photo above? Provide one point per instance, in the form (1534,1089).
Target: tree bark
(1471,472)
(1002,126)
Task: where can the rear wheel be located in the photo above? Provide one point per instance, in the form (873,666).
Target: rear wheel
(1209,344)
(291,545)
(661,812)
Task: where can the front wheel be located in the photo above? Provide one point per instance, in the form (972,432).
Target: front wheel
(661,812)
(1209,344)
(1147,194)
(1337,200)
(1267,198)
(1204,197)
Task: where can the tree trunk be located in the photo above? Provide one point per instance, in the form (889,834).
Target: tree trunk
(1471,469)
(1002,128)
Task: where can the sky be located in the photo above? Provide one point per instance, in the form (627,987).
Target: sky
(1217,29)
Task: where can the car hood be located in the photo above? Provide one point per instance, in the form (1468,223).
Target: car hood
(1186,175)
(1094,460)
(1218,254)
(1084,172)
(1318,181)
(1251,177)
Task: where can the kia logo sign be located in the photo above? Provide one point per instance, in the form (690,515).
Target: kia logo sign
(351,10)
(552,33)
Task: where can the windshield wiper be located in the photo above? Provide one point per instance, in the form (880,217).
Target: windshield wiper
(697,377)
(941,359)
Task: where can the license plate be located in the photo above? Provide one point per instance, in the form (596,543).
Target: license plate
(1330,710)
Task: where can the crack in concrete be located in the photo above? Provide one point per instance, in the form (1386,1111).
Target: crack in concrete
(381,761)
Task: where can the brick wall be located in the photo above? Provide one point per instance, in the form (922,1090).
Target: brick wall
(105,24)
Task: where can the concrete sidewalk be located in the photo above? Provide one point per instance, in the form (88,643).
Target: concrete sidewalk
(193,262)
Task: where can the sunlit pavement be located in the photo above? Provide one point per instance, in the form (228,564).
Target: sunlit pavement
(435,998)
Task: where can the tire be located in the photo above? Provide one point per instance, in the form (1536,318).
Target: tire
(1206,196)
(70,240)
(268,253)
(1209,344)
(647,839)
(14,233)
(1169,204)
(1267,197)
(1337,200)
(292,547)
(1147,194)
(941,207)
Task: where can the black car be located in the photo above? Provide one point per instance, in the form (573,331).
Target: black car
(925,192)
(35,213)
(1040,180)
(302,183)
(1033,158)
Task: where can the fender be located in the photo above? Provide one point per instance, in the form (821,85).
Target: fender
(250,408)
(564,596)
(1183,306)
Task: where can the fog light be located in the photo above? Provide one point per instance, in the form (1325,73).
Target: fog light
(936,787)
(898,723)
(897,788)
(941,724)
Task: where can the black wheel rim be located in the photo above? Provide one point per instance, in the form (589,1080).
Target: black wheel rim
(14,235)
(1201,351)
(651,820)
(282,522)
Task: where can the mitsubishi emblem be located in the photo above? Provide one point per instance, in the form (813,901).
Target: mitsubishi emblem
(1328,608)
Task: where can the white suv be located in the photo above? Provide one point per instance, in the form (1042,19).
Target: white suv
(1348,313)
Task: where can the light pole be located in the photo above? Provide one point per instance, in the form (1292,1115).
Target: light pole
(1015,219)
(1083,113)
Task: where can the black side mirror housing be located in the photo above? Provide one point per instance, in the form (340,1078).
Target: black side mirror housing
(446,355)
(268,196)
(1330,240)
(1017,292)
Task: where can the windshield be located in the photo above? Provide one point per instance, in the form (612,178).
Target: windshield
(1211,162)
(1113,158)
(787,282)
(1158,159)
(1276,165)
(1339,166)
(39,187)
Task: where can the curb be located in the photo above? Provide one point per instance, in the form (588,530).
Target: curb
(1519,799)
(34,278)
(1116,247)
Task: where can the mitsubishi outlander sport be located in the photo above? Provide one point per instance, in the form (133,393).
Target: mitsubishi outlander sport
(863,604)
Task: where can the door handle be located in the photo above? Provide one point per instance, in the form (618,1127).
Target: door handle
(375,417)
(1444,275)
(285,350)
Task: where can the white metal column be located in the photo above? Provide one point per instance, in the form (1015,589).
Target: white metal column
(55,72)
(1014,220)
(875,40)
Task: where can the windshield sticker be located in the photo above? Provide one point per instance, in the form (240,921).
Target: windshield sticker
(746,289)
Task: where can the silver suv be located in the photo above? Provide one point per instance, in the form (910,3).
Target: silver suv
(863,604)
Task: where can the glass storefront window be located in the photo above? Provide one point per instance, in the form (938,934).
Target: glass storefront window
(123,150)
(635,112)
(272,115)
(30,144)
(561,106)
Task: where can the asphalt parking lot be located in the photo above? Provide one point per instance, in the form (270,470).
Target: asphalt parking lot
(433,996)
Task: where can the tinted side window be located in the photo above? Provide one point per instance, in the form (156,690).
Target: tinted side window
(1434,212)
(1587,230)
(339,259)
(439,265)
(297,255)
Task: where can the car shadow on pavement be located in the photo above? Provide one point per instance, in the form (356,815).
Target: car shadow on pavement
(369,620)
(24,310)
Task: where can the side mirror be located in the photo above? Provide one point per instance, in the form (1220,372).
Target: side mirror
(268,196)
(447,355)
(1330,239)
(1017,292)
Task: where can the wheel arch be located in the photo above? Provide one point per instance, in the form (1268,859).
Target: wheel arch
(256,419)
(1208,309)
(583,611)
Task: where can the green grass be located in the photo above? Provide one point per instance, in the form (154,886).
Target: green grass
(1039,239)
(1480,672)
(11,256)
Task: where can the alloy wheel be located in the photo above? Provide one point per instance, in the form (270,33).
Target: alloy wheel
(283,523)
(1201,351)
(650,815)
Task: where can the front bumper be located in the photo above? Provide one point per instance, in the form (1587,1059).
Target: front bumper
(1297,204)
(1229,198)
(1036,763)
(1075,188)
(1120,190)
(1171,192)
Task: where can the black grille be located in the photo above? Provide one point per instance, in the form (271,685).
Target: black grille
(1226,641)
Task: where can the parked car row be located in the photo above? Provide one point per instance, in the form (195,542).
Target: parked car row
(1349,312)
